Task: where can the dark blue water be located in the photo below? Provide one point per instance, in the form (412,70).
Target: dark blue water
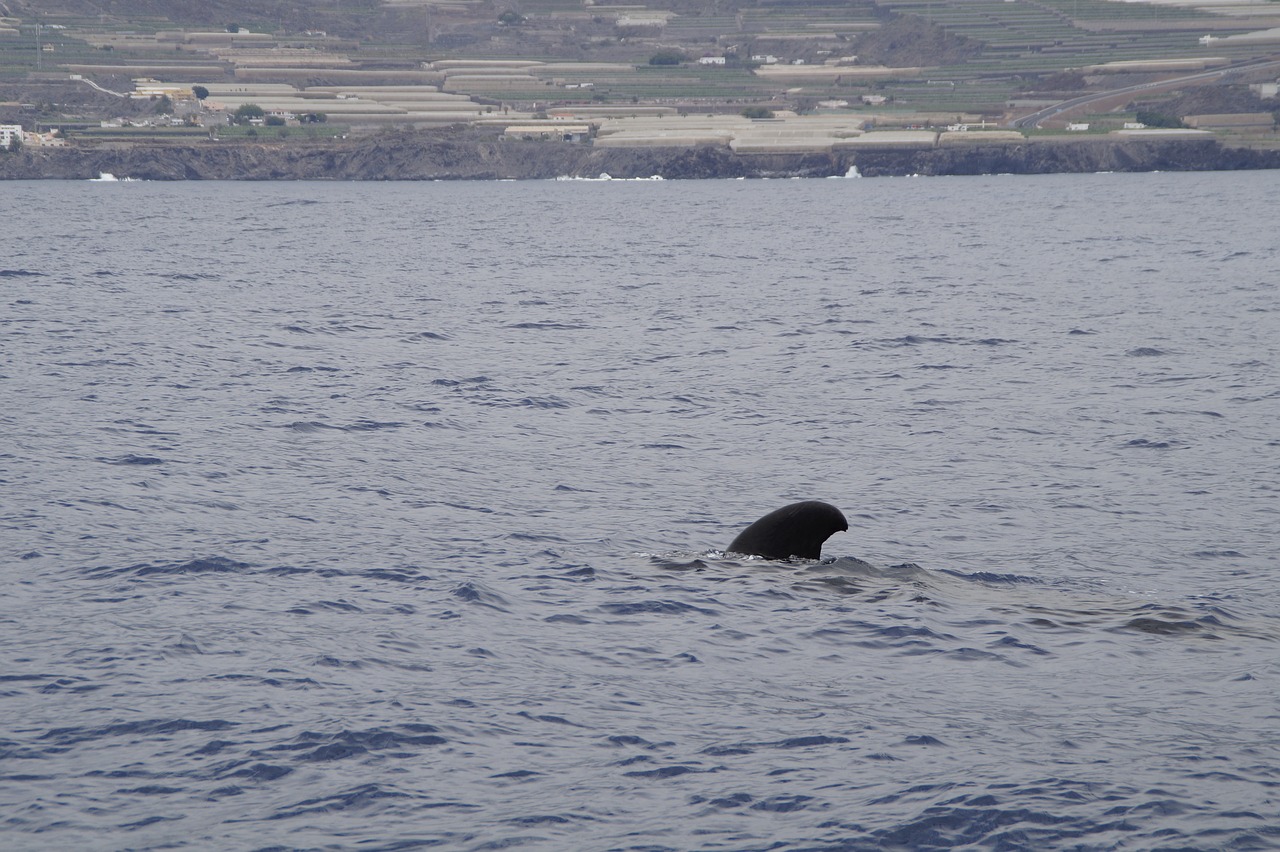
(387,516)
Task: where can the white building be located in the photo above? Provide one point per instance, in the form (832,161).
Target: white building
(9,132)
(656,19)
(145,88)
(545,132)
(711,60)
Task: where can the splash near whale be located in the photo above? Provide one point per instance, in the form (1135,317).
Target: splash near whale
(796,530)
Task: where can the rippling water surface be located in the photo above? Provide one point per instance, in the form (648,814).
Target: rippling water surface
(387,516)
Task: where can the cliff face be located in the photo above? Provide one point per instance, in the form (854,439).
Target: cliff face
(408,157)
(369,159)
(1069,157)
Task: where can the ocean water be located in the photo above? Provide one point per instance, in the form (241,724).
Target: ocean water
(390,516)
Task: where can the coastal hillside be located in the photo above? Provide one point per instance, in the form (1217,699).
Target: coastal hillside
(810,77)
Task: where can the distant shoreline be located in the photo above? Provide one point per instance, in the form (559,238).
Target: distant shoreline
(466,156)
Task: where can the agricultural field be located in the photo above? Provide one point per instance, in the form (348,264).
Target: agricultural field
(369,64)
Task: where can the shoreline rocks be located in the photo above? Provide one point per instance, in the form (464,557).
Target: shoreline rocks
(466,156)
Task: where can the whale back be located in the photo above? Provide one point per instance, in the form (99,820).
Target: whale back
(795,530)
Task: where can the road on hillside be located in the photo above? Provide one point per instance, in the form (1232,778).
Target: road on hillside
(1033,120)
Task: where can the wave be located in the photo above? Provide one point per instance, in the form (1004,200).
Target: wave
(1008,599)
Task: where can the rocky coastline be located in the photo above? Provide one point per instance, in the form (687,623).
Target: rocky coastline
(463,156)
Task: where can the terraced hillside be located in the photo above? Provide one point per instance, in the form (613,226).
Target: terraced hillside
(370,63)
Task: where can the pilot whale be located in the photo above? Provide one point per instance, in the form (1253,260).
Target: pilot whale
(795,530)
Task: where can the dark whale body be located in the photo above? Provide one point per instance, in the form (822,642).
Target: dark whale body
(795,530)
